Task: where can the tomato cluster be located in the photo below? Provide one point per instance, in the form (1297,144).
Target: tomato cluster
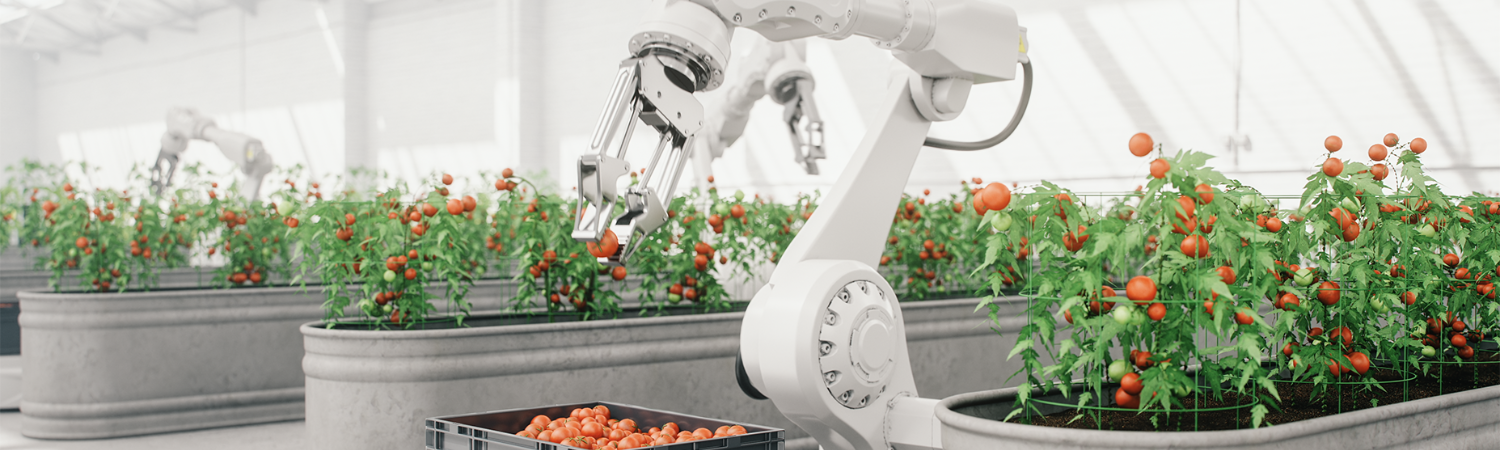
(417,242)
(594,428)
(561,271)
(1357,246)
(252,244)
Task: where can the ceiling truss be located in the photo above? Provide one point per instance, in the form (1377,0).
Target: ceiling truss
(84,26)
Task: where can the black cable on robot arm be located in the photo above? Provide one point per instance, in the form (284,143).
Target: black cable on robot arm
(1015,121)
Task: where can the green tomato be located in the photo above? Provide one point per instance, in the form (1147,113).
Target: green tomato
(390,275)
(427,266)
(1118,369)
(1428,351)
(721,209)
(368,306)
(1003,222)
(1122,315)
(674,298)
(1247,202)
(1427,230)
(387,308)
(1350,205)
(1137,316)
(72,252)
(739,195)
(1303,277)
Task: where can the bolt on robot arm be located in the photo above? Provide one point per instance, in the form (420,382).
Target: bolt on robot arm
(824,339)
(183,124)
(775,68)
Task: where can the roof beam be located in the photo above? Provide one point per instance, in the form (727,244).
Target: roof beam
(248,6)
(189,28)
(8,39)
(44,15)
(104,17)
(191,17)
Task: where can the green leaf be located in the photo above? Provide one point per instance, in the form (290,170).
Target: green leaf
(1021,345)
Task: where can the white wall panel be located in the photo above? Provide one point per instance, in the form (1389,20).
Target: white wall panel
(432,74)
(17,106)
(1105,69)
(281,61)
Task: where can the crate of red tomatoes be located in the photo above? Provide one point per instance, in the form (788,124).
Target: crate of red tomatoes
(595,425)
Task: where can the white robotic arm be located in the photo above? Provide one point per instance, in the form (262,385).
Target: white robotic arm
(183,124)
(777,68)
(683,45)
(824,339)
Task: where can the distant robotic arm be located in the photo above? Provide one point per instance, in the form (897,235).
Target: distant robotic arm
(775,68)
(247,153)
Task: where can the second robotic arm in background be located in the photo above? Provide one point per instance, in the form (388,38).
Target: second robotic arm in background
(247,153)
(777,69)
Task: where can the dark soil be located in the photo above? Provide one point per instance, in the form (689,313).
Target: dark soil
(1298,401)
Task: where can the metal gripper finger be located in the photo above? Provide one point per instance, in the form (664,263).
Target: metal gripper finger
(602,167)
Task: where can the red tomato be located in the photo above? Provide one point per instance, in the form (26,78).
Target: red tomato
(1333,167)
(1226,273)
(1125,400)
(1243,318)
(1157,311)
(1205,193)
(1131,383)
(1159,168)
(1360,361)
(1141,144)
(1140,289)
(995,196)
(1328,293)
(1333,143)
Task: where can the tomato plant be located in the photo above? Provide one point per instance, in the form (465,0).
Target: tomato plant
(88,232)
(560,272)
(934,246)
(678,261)
(28,219)
(382,255)
(1206,256)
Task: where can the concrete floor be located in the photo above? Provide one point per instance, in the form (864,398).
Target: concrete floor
(273,436)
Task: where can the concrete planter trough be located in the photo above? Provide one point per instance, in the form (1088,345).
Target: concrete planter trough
(1459,420)
(120,364)
(372,389)
(15,276)
(13,281)
(110,365)
(19,257)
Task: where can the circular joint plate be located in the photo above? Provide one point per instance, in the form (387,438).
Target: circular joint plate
(697,61)
(857,339)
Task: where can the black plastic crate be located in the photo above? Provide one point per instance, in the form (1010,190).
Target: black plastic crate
(490,430)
